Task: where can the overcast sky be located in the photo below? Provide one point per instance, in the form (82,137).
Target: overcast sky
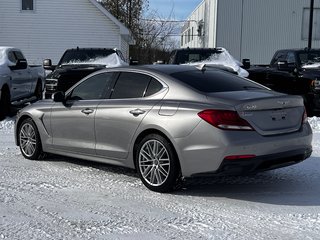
(181,8)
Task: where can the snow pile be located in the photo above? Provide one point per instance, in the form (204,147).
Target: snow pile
(113,60)
(7,124)
(315,123)
(4,61)
(222,60)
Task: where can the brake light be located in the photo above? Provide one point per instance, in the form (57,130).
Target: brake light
(225,119)
(305,117)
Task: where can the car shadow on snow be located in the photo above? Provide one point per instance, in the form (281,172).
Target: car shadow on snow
(296,185)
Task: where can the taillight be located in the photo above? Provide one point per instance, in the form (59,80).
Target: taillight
(305,117)
(225,119)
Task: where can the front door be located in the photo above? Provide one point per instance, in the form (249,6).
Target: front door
(73,122)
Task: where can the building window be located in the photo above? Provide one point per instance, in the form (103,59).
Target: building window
(315,24)
(27,5)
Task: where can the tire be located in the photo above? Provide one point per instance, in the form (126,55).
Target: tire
(157,164)
(29,140)
(4,104)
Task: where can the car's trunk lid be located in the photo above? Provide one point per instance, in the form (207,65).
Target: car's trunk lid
(268,115)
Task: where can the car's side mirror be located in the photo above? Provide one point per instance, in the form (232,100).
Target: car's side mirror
(47,65)
(20,64)
(59,97)
(285,66)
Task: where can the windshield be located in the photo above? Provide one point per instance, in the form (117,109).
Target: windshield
(84,55)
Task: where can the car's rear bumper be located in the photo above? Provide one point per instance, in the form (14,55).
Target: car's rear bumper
(260,163)
(206,149)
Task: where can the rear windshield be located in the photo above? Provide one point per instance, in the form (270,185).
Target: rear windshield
(84,55)
(215,81)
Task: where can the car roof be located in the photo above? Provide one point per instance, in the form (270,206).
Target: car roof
(167,69)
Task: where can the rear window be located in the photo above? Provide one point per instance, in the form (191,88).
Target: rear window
(215,81)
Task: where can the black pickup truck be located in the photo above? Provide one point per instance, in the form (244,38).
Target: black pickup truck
(76,64)
(292,71)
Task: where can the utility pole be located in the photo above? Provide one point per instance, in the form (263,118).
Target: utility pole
(310,24)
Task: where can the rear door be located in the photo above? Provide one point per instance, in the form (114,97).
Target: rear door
(118,118)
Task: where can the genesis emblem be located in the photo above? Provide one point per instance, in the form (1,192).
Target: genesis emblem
(250,107)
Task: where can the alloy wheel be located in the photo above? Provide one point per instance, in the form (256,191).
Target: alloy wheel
(28,139)
(154,162)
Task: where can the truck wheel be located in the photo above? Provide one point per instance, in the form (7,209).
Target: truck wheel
(38,92)
(4,104)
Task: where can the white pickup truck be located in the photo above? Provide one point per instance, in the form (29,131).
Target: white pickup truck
(19,82)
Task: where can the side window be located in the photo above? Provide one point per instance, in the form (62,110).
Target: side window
(94,87)
(280,56)
(19,55)
(290,58)
(154,87)
(130,85)
(27,5)
(11,57)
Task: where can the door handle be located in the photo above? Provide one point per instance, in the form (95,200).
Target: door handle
(87,111)
(137,112)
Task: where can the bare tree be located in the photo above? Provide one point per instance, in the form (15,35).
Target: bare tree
(156,40)
(126,11)
(152,33)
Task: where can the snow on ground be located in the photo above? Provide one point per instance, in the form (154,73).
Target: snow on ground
(62,198)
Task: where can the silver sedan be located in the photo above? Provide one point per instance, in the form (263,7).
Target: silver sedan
(169,122)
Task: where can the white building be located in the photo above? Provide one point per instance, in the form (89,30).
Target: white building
(252,29)
(46,28)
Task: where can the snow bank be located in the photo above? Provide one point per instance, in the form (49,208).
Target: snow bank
(113,60)
(315,123)
(7,124)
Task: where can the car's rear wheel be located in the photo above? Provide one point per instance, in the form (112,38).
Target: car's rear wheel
(29,140)
(4,103)
(157,164)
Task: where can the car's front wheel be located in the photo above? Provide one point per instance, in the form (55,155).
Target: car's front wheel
(157,164)
(29,140)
